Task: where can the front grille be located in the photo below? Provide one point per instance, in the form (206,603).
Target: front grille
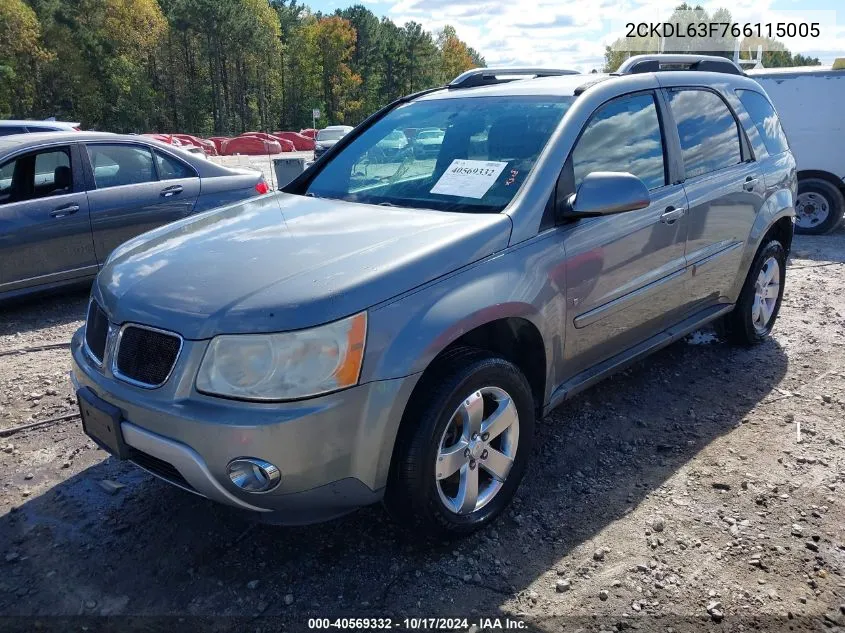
(96,331)
(159,468)
(146,356)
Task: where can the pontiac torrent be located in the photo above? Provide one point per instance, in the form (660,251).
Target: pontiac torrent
(389,325)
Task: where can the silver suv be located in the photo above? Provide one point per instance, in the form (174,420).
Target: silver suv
(389,326)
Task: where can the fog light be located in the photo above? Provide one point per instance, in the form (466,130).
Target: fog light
(253,475)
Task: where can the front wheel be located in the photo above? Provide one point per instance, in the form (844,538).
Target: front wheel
(463,445)
(754,315)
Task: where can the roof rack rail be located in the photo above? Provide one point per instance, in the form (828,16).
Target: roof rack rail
(490,76)
(663,62)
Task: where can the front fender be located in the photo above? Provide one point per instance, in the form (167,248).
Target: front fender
(405,335)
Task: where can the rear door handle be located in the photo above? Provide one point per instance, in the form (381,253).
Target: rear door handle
(62,212)
(171,191)
(749,183)
(672,214)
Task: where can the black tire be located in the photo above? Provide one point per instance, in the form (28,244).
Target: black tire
(824,192)
(412,496)
(738,325)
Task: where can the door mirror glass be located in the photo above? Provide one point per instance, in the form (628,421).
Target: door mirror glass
(606,193)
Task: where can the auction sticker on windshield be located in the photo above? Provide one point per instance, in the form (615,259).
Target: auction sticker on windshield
(468,178)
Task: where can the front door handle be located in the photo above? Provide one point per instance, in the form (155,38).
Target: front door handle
(167,192)
(672,214)
(749,183)
(63,212)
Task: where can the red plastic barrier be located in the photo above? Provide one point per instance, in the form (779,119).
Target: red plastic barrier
(286,145)
(310,132)
(163,138)
(187,139)
(301,143)
(251,146)
(218,142)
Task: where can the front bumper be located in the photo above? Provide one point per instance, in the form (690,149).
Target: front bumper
(333,451)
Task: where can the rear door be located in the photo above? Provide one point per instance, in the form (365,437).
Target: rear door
(724,185)
(45,233)
(625,273)
(134,188)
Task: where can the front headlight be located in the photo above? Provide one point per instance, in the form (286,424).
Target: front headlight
(285,366)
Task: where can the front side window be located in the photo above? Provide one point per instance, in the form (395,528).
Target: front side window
(623,135)
(117,165)
(8,131)
(171,169)
(37,175)
(488,148)
(765,120)
(708,130)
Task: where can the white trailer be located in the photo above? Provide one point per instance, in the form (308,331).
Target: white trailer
(810,102)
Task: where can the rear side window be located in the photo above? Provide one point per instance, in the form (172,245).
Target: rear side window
(623,135)
(118,165)
(708,130)
(171,169)
(765,120)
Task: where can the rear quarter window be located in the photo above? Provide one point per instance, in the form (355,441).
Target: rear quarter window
(765,120)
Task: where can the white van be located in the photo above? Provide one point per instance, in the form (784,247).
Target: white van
(810,102)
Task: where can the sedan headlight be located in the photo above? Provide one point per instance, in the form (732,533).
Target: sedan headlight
(285,366)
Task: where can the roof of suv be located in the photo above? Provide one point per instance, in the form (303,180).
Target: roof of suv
(568,84)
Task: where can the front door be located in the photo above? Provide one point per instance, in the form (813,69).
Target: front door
(45,232)
(624,273)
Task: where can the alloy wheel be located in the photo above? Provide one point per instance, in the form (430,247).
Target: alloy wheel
(477,450)
(766,293)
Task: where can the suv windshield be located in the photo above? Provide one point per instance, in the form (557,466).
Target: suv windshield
(489,146)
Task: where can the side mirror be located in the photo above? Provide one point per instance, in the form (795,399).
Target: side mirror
(606,193)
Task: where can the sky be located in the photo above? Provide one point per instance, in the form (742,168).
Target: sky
(556,34)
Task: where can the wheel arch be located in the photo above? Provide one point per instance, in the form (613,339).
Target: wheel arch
(776,218)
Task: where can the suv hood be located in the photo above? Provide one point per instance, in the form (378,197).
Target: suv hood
(283,262)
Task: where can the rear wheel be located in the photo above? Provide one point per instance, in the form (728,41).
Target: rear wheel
(818,207)
(754,315)
(463,446)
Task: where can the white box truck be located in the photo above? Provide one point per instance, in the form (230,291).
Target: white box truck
(810,102)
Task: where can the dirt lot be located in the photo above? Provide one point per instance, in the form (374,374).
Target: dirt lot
(703,488)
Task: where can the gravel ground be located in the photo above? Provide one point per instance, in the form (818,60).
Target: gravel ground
(702,488)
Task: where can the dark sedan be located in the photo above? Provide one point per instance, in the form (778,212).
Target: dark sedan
(67,199)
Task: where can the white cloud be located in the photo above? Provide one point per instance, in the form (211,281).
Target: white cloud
(574,35)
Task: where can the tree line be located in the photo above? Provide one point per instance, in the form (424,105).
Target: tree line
(212,67)
(775,54)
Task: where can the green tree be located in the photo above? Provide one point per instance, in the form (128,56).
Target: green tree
(455,56)
(21,55)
